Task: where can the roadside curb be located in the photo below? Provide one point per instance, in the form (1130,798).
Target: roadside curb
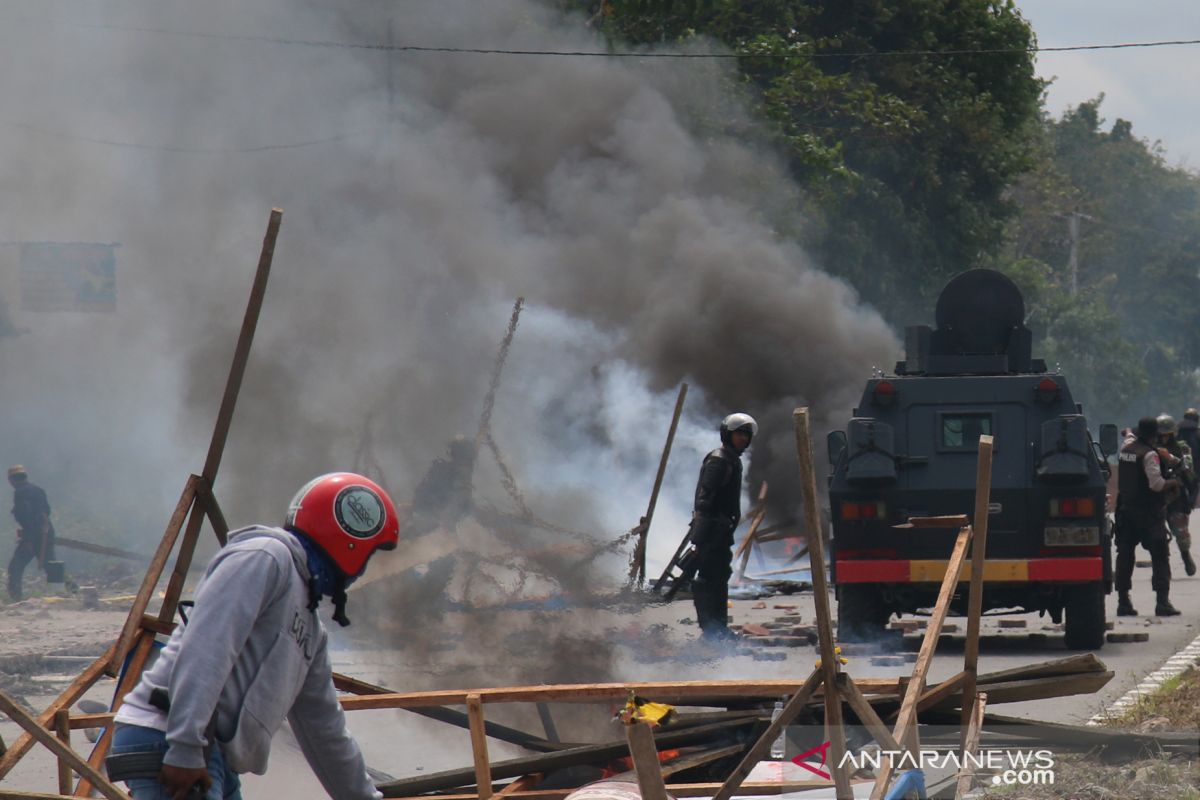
(1181,661)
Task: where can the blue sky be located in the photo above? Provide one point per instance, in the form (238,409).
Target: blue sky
(1155,89)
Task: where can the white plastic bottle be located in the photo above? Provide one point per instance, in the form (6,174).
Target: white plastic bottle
(777,747)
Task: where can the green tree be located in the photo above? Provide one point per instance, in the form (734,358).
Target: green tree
(904,143)
(1134,222)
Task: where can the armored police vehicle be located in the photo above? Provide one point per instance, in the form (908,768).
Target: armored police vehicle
(911,450)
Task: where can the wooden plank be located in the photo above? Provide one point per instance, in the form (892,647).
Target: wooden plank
(241,353)
(866,714)
(906,719)
(137,662)
(479,749)
(588,754)
(935,694)
(638,569)
(793,707)
(62,729)
(1071,665)
(453,717)
(1036,689)
(645,761)
(158,562)
(979,530)
(78,688)
(835,731)
(35,729)
(99,549)
(966,774)
(677,692)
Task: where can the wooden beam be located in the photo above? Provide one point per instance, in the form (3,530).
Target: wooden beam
(936,694)
(137,662)
(216,517)
(866,714)
(677,692)
(966,775)
(637,574)
(35,729)
(99,549)
(907,717)
(1078,664)
(78,688)
(816,558)
(158,562)
(1035,689)
(479,749)
(454,717)
(62,729)
(241,353)
(588,754)
(645,761)
(791,709)
(979,530)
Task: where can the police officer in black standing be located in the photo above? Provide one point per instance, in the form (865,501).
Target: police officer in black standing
(716,513)
(1142,518)
(35,535)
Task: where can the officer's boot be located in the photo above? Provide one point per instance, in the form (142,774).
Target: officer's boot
(1163,607)
(1125,605)
(1189,566)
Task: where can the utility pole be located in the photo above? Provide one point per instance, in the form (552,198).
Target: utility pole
(1073,258)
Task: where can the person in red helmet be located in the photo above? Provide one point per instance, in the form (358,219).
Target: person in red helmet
(254,652)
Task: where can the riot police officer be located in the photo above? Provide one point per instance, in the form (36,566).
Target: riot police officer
(1180,465)
(715,515)
(1141,517)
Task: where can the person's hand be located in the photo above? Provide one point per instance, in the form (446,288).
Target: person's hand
(1171,483)
(180,780)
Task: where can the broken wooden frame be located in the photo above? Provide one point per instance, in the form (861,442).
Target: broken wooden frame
(196,503)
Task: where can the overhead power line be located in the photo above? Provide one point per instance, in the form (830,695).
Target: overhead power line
(418,48)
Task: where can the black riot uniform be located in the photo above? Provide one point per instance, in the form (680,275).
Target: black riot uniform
(35,537)
(1141,519)
(715,515)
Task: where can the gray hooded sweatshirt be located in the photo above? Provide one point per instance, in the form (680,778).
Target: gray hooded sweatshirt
(251,654)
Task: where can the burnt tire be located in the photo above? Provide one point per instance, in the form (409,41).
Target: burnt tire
(862,617)
(1085,622)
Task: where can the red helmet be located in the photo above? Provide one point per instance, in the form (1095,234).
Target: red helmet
(346,515)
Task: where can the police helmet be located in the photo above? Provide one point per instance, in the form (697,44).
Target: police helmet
(737,422)
(1192,414)
(1166,425)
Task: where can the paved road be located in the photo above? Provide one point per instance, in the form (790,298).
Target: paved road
(1130,662)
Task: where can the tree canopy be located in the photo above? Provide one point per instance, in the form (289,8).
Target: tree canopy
(917,130)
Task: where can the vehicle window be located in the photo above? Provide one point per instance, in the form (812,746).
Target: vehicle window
(962,431)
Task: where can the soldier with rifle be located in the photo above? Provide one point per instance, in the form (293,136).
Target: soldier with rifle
(1178,463)
(1142,517)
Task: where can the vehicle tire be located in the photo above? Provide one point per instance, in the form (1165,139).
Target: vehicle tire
(862,616)
(1085,623)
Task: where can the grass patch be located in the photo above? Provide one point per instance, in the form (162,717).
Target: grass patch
(1174,706)
(1078,777)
